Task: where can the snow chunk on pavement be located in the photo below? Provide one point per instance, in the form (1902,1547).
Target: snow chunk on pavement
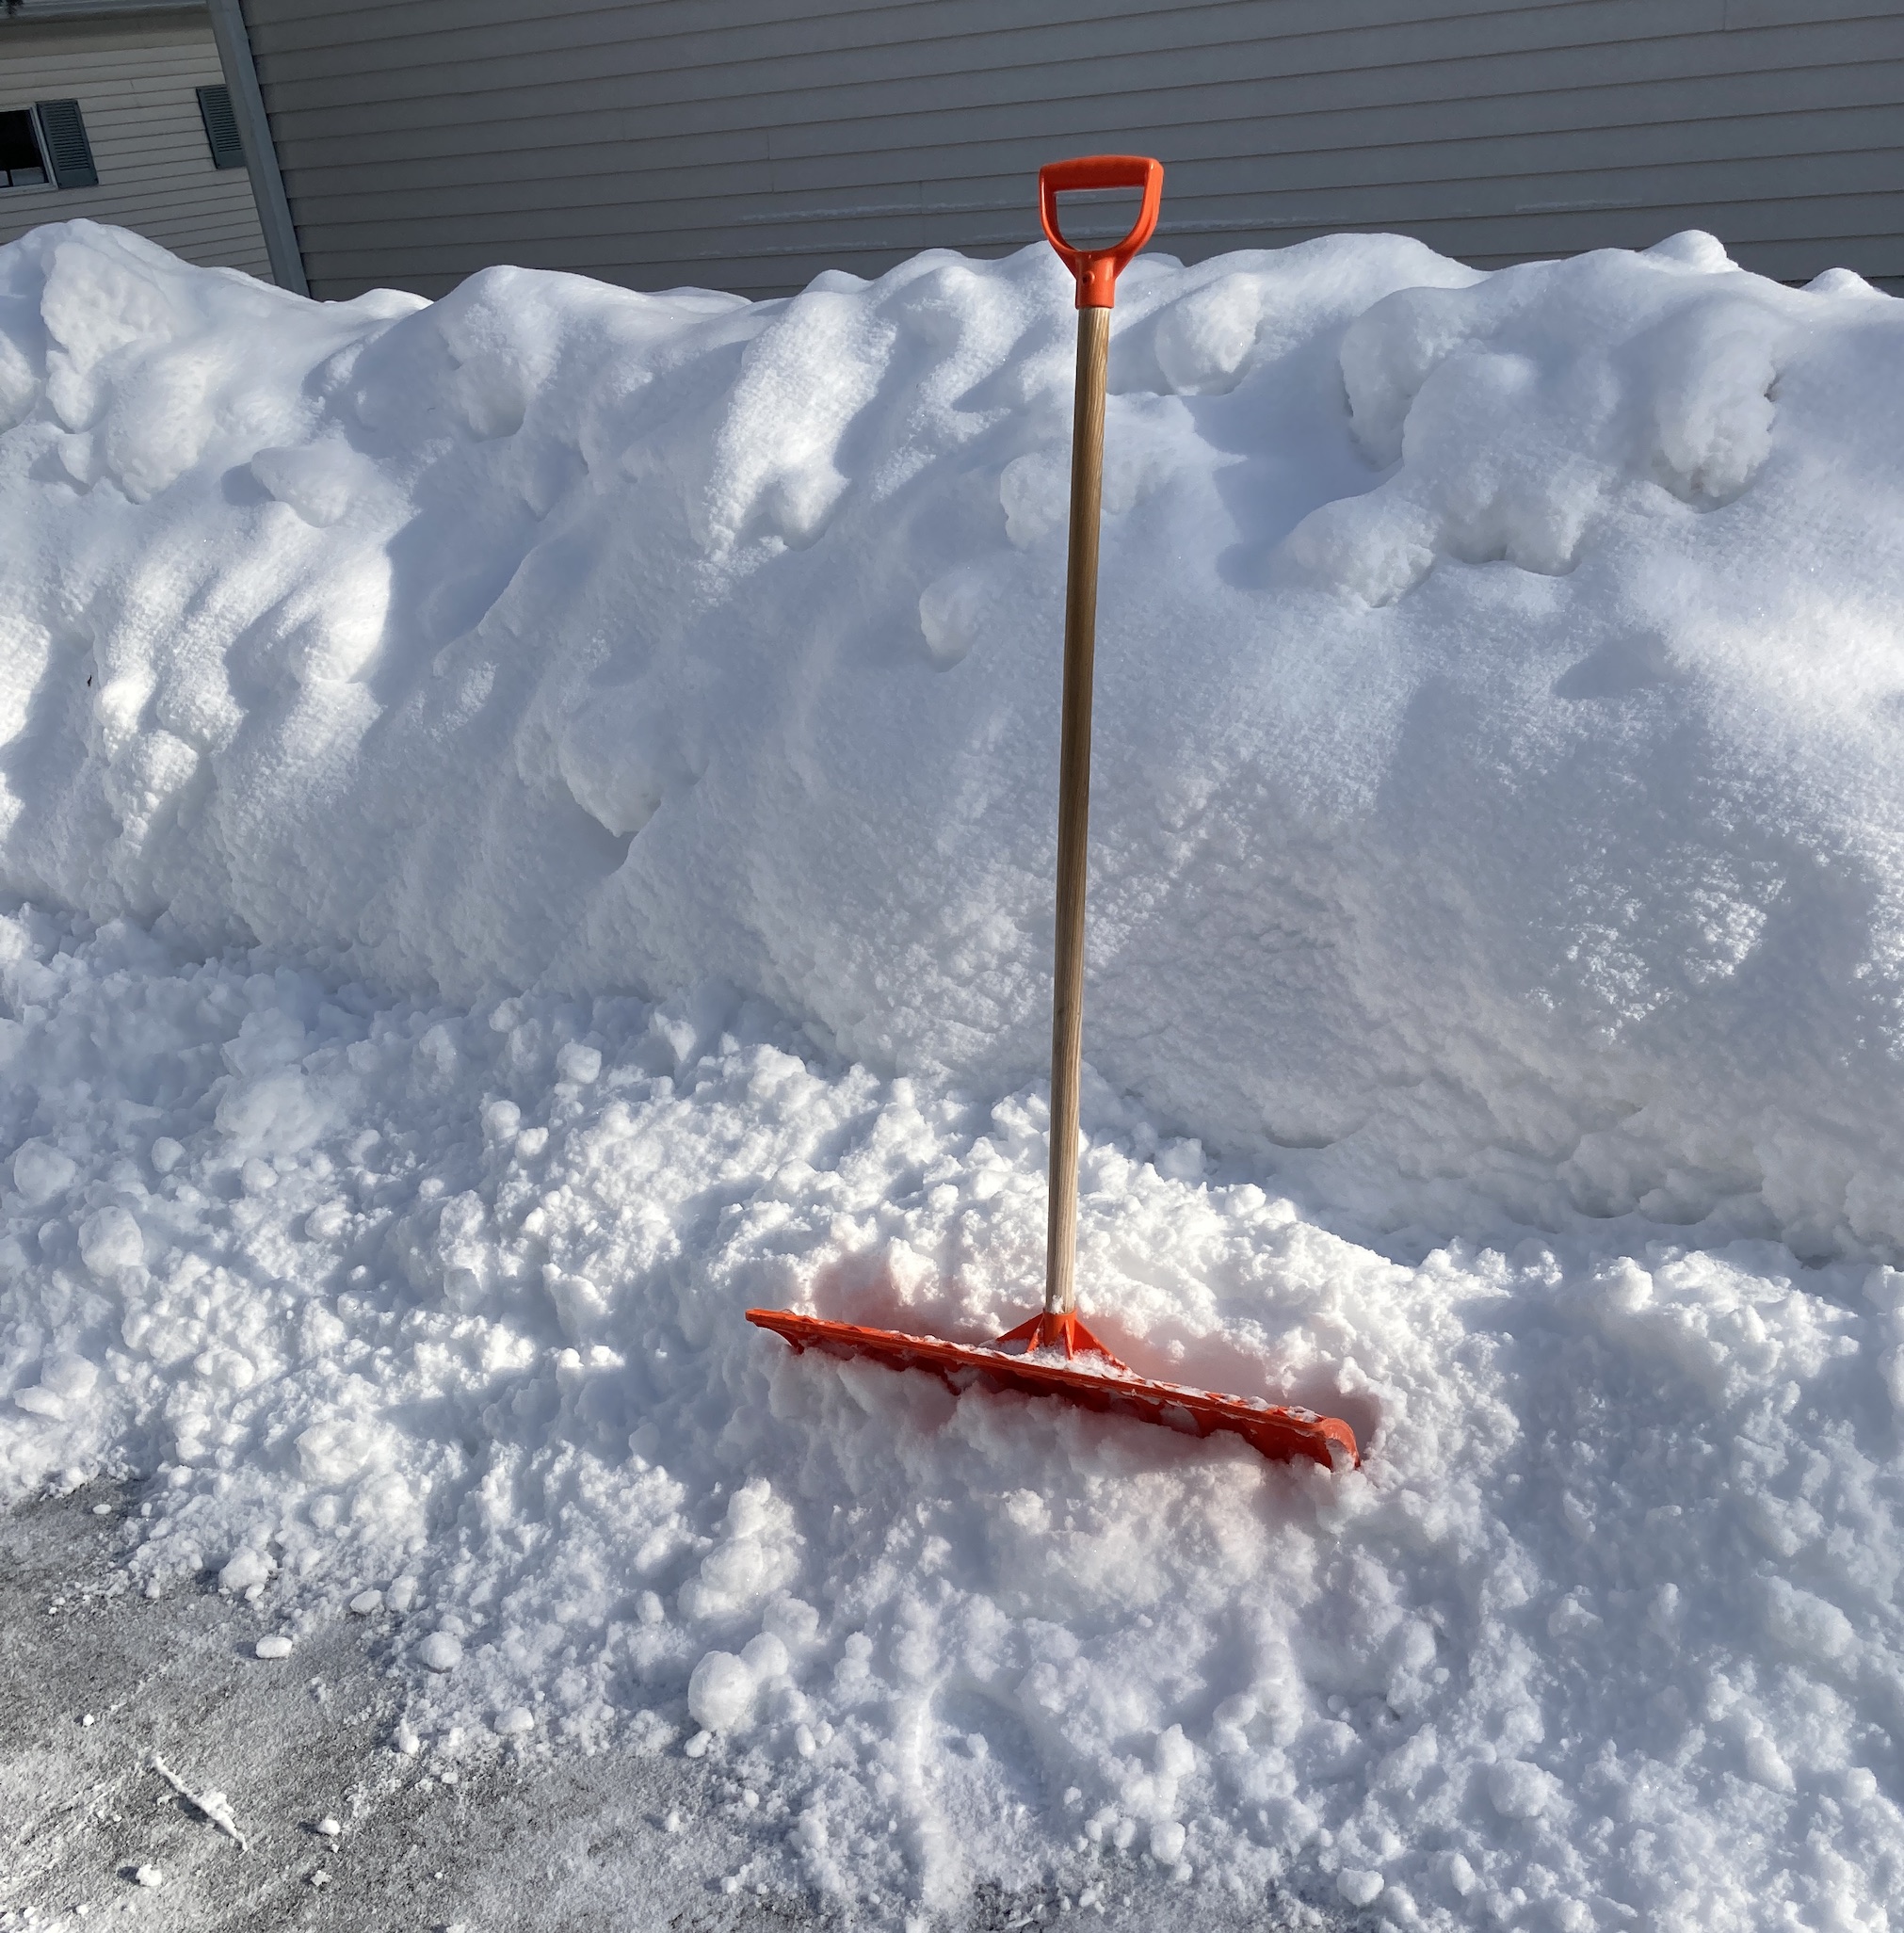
(720,1693)
(247,1568)
(440,1651)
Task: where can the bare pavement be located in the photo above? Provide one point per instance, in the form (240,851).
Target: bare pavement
(340,1831)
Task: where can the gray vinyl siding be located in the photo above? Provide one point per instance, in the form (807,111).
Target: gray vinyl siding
(749,144)
(135,82)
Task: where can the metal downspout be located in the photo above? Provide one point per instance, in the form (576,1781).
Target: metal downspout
(260,154)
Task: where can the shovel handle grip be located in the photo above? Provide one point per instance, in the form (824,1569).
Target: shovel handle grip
(1097,270)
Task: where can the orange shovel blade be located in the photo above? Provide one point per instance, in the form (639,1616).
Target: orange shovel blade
(1057,1355)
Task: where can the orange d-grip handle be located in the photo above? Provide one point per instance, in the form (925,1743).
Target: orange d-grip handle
(1097,270)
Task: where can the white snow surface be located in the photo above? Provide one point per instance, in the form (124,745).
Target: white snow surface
(527,822)
(1497,701)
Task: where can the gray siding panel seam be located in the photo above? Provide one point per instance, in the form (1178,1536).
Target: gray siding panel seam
(1094,67)
(586,169)
(646,23)
(1478,78)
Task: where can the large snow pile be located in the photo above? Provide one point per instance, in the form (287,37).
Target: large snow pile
(531,822)
(1496,713)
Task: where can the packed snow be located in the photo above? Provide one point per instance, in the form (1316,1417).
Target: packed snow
(527,824)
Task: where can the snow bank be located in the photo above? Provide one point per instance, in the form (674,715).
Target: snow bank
(419,722)
(1496,717)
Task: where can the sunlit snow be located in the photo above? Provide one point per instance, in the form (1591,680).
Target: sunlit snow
(527,826)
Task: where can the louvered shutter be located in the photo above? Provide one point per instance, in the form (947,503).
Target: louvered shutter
(221,127)
(62,133)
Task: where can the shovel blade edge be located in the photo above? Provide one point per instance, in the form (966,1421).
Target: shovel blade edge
(1275,1431)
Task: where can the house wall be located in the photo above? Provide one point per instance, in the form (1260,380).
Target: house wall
(136,81)
(747,144)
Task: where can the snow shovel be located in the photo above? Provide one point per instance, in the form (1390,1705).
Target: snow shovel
(1053,1354)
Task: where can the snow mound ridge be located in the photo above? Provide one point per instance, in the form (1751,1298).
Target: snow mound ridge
(1497,711)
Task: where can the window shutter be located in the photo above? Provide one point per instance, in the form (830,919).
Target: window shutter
(63,135)
(221,127)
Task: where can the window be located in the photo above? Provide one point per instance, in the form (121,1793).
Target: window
(20,163)
(221,127)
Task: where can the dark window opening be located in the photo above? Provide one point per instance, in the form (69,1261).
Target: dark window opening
(221,127)
(21,166)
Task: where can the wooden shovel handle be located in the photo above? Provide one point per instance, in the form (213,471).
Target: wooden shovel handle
(1074,807)
(1097,272)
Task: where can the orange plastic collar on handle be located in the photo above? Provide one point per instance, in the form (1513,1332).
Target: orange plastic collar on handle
(1097,270)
